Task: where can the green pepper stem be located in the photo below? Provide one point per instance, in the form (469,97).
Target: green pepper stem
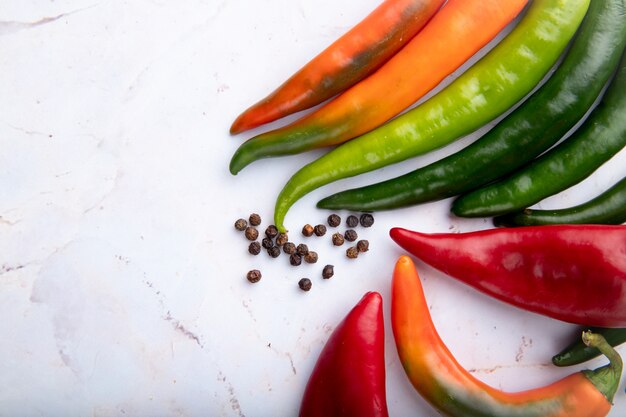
(607,378)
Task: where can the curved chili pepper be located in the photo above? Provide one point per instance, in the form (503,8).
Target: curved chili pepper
(453,35)
(347,61)
(349,376)
(601,136)
(501,78)
(578,352)
(607,208)
(443,382)
(575,273)
(533,127)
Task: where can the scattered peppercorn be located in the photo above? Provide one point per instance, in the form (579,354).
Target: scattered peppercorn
(302,249)
(328,271)
(251,233)
(311,257)
(241,225)
(255,219)
(281,239)
(254,248)
(367,220)
(319,230)
(271,231)
(307,230)
(254,275)
(295,259)
(289,248)
(305,284)
(352,221)
(363,245)
(338,239)
(352,252)
(267,243)
(334,220)
(274,251)
(350,235)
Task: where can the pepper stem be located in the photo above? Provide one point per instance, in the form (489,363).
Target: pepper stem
(606,379)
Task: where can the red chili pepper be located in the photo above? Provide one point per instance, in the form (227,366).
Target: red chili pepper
(349,376)
(347,61)
(575,273)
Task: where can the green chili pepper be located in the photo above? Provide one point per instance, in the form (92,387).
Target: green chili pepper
(529,130)
(578,352)
(607,208)
(600,137)
(487,89)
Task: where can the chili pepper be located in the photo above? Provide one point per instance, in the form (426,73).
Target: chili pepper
(451,389)
(459,30)
(607,208)
(349,376)
(533,127)
(575,273)
(344,63)
(578,352)
(601,136)
(501,78)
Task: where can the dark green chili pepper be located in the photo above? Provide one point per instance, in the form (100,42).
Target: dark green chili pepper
(600,137)
(607,208)
(532,128)
(578,352)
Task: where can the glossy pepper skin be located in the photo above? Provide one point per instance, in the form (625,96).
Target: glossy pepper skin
(537,124)
(349,376)
(491,86)
(577,352)
(574,273)
(347,61)
(452,36)
(601,136)
(452,390)
(607,208)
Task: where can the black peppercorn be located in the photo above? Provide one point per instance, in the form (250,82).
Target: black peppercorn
(289,248)
(338,239)
(254,248)
(271,231)
(254,275)
(352,252)
(295,259)
(281,239)
(302,249)
(363,245)
(311,257)
(251,233)
(305,284)
(319,230)
(328,271)
(334,220)
(254,219)
(367,220)
(352,221)
(307,230)
(274,251)
(241,225)
(267,243)
(350,235)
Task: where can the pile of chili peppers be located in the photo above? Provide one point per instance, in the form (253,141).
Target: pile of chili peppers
(568,264)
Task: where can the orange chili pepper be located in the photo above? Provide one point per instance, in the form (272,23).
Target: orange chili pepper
(459,30)
(441,380)
(347,61)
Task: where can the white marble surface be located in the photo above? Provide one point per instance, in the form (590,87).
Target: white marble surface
(122,287)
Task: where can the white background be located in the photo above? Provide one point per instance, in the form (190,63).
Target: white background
(122,279)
